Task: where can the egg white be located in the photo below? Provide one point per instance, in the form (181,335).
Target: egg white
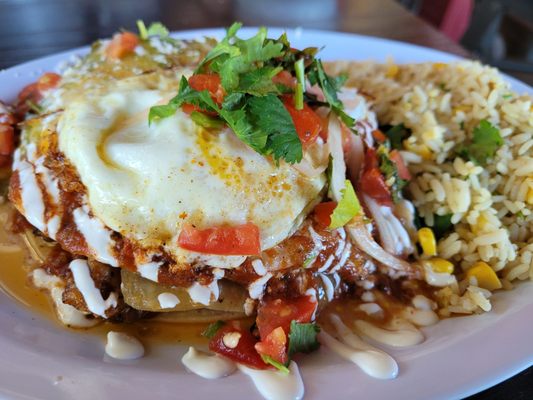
(146,181)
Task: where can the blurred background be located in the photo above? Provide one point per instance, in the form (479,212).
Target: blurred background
(499,32)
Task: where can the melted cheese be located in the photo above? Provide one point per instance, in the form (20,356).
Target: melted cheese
(147,181)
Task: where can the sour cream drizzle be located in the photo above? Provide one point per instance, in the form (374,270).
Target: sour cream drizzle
(275,385)
(206,365)
(123,347)
(85,284)
(371,360)
(98,237)
(400,334)
(149,270)
(32,198)
(168,300)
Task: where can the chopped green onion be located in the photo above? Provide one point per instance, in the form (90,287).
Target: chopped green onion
(279,366)
(300,77)
(143,32)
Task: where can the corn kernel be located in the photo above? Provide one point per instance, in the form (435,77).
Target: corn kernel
(529,198)
(426,238)
(441,266)
(421,149)
(392,71)
(485,276)
(438,65)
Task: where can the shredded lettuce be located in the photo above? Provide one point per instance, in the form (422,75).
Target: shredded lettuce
(347,208)
(212,329)
(303,338)
(155,29)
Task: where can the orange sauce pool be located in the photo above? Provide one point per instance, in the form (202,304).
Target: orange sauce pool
(16,265)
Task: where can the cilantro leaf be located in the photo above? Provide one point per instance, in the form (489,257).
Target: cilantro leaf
(279,366)
(238,121)
(347,208)
(485,141)
(303,338)
(259,82)
(212,329)
(390,170)
(396,134)
(441,224)
(270,116)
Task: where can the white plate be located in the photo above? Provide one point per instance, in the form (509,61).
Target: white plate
(460,356)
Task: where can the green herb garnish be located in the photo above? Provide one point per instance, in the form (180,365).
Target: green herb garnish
(303,338)
(389,170)
(396,134)
(486,140)
(212,329)
(155,29)
(279,366)
(252,105)
(441,224)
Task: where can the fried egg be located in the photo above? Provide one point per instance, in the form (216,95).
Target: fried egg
(146,181)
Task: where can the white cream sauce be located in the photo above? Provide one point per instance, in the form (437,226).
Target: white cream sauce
(371,360)
(122,346)
(276,385)
(31,196)
(149,270)
(97,236)
(91,294)
(168,300)
(67,314)
(208,366)
(401,335)
(257,287)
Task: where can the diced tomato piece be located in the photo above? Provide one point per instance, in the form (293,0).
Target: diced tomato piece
(307,123)
(275,313)
(122,44)
(209,82)
(190,108)
(397,159)
(274,346)
(30,92)
(286,79)
(372,183)
(224,240)
(371,159)
(379,136)
(7,140)
(48,81)
(244,352)
(323,212)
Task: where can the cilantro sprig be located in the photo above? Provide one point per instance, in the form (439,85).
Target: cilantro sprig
(252,105)
(486,139)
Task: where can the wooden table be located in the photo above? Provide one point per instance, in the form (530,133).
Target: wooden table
(34,28)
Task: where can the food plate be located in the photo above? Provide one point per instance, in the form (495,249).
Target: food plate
(460,356)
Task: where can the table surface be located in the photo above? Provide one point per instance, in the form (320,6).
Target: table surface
(30,29)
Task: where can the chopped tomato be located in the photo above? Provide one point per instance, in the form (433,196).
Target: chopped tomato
(48,81)
(223,240)
(372,182)
(272,314)
(323,212)
(244,352)
(7,140)
(379,136)
(307,123)
(122,44)
(30,92)
(286,79)
(397,159)
(209,82)
(274,346)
